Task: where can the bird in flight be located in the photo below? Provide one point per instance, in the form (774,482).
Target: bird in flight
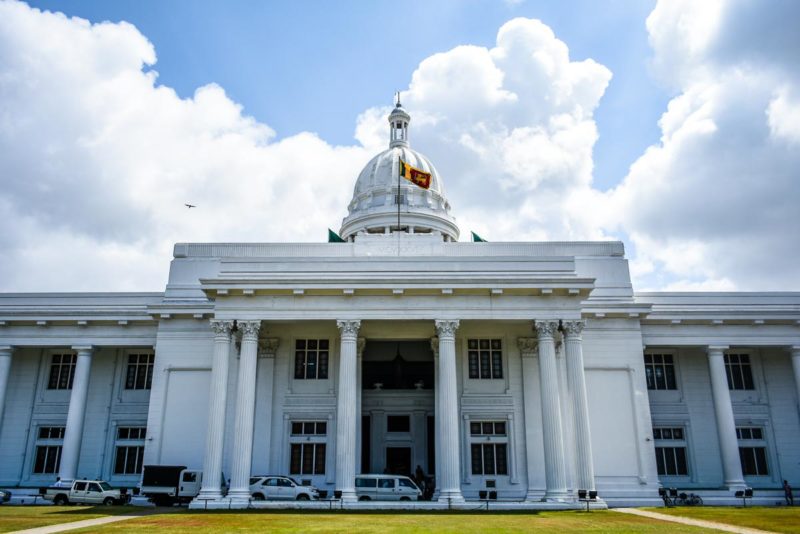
(190,206)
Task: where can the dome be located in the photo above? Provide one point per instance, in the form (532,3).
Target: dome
(373,208)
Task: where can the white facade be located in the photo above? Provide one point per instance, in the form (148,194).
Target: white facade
(327,360)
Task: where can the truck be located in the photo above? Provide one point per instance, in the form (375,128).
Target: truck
(167,484)
(84,492)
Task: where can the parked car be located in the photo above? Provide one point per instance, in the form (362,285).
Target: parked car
(386,488)
(276,487)
(85,492)
(167,484)
(5,496)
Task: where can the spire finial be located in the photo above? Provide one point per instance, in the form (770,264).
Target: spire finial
(397,99)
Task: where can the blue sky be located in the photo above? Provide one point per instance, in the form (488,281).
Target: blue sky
(314,66)
(672,125)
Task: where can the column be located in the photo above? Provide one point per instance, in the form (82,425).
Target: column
(346,410)
(218,392)
(795,350)
(527,350)
(555,474)
(580,406)
(447,417)
(359,389)
(71,450)
(726,425)
(6,353)
(245,412)
(436,455)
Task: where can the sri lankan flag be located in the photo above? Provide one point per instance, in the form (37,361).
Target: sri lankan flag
(415,176)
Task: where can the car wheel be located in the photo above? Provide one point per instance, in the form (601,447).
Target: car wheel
(258,497)
(61,500)
(364,498)
(302,497)
(108,501)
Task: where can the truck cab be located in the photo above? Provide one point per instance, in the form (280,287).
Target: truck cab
(167,484)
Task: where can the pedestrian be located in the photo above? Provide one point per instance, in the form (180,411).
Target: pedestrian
(787,493)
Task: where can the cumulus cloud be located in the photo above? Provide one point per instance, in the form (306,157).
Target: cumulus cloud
(714,204)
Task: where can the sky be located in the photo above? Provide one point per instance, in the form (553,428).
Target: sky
(673,126)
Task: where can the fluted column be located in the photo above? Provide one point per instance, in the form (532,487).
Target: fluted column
(218,393)
(447,417)
(346,410)
(726,425)
(245,411)
(436,437)
(6,353)
(580,406)
(554,470)
(360,344)
(71,449)
(528,347)
(795,350)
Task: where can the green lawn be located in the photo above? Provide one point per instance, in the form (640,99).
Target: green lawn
(22,517)
(776,519)
(389,523)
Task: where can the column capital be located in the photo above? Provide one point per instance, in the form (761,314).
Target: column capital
(793,349)
(573,329)
(446,327)
(221,327)
(716,350)
(545,329)
(249,329)
(435,346)
(268,347)
(360,344)
(83,349)
(348,327)
(528,346)
(6,350)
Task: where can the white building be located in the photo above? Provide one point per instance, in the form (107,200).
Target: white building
(530,369)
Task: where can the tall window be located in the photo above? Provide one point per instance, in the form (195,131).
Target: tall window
(485,358)
(740,374)
(670,447)
(489,447)
(752,450)
(660,371)
(307,447)
(48,449)
(140,371)
(130,450)
(311,359)
(62,370)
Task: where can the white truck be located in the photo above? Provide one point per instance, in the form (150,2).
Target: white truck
(84,492)
(167,484)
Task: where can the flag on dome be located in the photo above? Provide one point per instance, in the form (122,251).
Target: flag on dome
(415,176)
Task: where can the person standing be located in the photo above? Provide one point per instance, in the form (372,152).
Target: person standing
(787,493)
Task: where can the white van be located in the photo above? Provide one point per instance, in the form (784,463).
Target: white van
(386,488)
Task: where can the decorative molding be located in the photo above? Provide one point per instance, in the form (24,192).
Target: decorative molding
(360,344)
(268,347)
(435,346)
(446,327)
(528,346)
(83,349)
(712,350)
(249,329)
(221,327)
(545,328)
(573,329)
(348,328)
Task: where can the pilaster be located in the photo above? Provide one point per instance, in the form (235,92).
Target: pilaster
(528,347)
(6,354)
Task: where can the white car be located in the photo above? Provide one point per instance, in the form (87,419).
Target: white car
(274,488)
(386,488)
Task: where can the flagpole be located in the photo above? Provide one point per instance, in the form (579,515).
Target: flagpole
(398,197)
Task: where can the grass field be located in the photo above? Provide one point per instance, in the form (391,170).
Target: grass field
(181,520)
(776,519)
(22,517)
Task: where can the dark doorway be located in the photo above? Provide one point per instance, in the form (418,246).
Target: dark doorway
(366,443)
(397,365)
(398,460)
(431,445)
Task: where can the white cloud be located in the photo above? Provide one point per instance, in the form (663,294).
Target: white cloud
(714,204)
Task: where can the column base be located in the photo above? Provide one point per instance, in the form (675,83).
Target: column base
(239,496)
(450,496)
(209,495)
(558,496)
(735,485)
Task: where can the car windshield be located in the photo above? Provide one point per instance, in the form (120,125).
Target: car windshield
(296,483)
(106,486)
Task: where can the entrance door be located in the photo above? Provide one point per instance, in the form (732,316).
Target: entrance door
(398,461)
